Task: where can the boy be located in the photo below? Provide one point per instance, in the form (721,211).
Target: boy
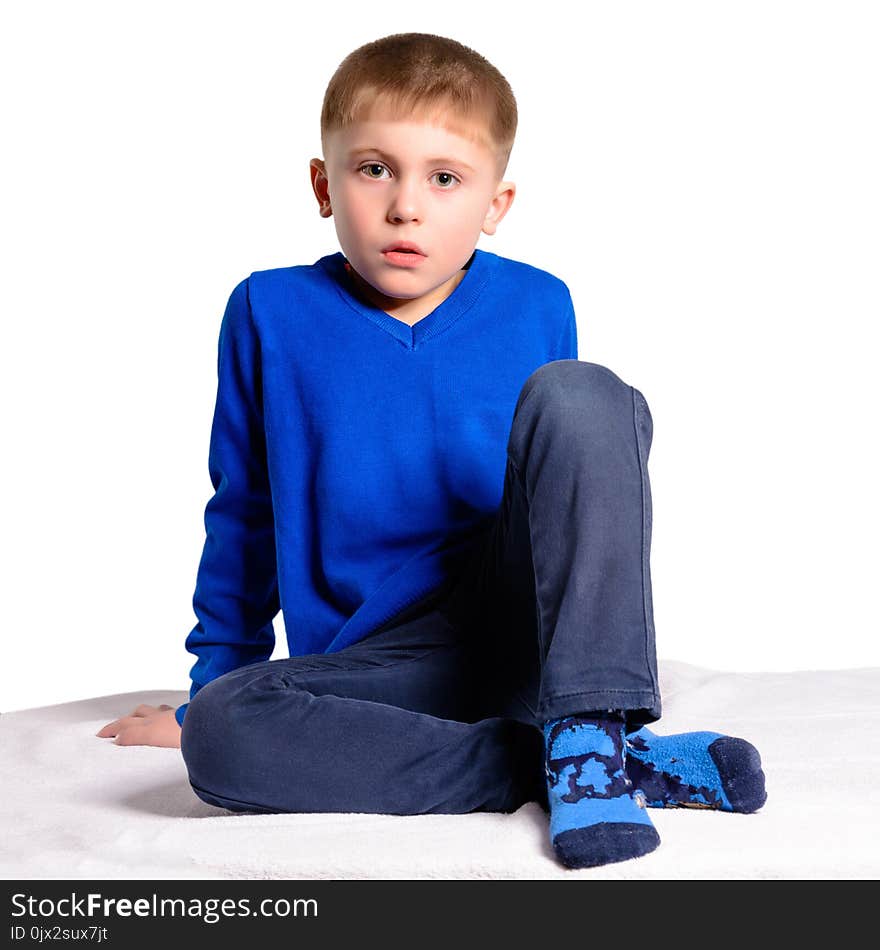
(452,511)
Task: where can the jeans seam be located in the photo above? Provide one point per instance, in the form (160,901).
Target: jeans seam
(600,692)
(644,552)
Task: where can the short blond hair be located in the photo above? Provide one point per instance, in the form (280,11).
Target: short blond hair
(427,75)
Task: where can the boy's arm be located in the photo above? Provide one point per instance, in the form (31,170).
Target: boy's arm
(236,593)
(568,345)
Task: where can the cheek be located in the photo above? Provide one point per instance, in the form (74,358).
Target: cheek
(354,210)
(463,216)
(351,197)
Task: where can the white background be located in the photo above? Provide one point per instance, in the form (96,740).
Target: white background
(703,176)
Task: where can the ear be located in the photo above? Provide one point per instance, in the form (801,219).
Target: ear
(321,186)
(499,206)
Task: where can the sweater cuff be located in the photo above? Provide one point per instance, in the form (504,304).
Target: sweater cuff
(179,713)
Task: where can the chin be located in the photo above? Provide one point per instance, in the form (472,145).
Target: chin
(402,281)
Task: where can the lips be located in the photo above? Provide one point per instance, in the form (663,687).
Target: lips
(404,247)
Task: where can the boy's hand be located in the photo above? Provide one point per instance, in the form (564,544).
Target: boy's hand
(147,725)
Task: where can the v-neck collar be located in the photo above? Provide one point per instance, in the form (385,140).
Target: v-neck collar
(462,298)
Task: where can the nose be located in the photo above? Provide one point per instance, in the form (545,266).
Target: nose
(404,205)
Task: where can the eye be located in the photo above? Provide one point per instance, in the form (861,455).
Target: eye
(368,168)
(447,175)
(370,165)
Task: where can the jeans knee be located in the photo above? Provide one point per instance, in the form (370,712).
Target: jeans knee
(204,731)
(569,382)
(216,719)
(585,405)
(574,395)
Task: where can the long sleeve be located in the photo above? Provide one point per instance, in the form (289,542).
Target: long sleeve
(568,346)
(236,593)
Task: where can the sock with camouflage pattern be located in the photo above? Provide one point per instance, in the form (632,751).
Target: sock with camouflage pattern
(594,816)
(695,770)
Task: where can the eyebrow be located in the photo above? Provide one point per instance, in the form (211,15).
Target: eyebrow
(428,161)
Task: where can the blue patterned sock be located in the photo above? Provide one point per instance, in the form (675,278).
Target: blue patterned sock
(594,817)
(695,770)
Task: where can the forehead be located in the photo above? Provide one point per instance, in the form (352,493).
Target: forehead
(421,134)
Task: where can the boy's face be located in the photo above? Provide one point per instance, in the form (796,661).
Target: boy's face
(387,180)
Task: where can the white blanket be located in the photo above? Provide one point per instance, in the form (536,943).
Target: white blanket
(76,806)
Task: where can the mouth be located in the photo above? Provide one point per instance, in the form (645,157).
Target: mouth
(404,247)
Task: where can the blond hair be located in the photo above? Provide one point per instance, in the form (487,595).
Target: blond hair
(408,74)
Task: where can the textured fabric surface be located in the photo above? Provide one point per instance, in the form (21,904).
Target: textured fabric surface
(596,815)
(696,770)
(75,806)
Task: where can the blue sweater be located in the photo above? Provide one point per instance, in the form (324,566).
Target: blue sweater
(357,460)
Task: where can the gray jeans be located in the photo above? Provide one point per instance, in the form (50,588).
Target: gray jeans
(440,710)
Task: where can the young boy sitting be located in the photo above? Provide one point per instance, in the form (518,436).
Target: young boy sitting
(452,511)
